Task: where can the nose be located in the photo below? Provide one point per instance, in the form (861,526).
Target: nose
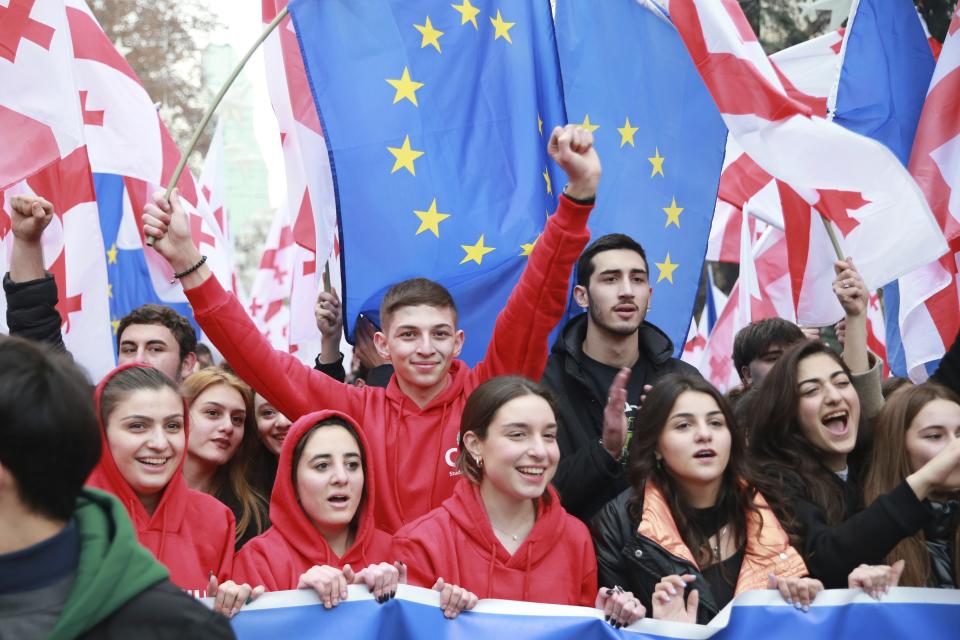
(141,356)
(703,432)
(831,395)
(626,288)
(538,448)
(157,440)
(282,421)
(339,474)
(425,345)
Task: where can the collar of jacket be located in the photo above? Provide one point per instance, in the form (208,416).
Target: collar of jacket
(767,549)
(655,346)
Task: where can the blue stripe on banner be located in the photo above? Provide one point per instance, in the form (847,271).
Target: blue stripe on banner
(929,614)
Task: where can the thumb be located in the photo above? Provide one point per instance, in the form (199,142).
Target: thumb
(897,572)
(349,574)
(693,602)
(212,585)
(402,568)
(438,585)
(771,581)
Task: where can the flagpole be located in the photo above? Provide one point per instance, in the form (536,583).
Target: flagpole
(216,103)
(833,236)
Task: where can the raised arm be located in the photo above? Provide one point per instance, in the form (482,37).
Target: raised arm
(290,386)
(519,344)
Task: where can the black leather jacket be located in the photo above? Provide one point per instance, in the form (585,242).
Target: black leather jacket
(636,563)
(940,536)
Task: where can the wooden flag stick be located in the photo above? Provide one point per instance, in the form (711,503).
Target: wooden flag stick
(326,277)
(833,237)
(216,103)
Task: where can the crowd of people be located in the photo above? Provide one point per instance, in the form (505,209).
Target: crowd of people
(603,473)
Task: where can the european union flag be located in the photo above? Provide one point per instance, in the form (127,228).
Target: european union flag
(627,77)
(436,115)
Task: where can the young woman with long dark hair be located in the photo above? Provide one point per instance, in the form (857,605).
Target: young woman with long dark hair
(808,439)
(692,519)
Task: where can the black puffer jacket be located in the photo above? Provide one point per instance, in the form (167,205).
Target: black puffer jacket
(32,310)
(588,477)
(940,536)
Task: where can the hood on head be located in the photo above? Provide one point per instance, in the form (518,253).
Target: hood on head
(106,475)
(288,516)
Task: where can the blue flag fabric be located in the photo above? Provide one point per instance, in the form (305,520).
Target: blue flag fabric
(436,117)
(886,71)
(627,75)
(127,272)
(903,613)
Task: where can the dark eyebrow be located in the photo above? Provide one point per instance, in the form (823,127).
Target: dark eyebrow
(838,372)
(141,417)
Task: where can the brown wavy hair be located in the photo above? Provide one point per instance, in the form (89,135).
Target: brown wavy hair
(737,489)
(233,474)
(788,463)
(890,465)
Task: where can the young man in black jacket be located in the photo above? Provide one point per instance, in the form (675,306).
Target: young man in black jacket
(613,285)
(70,563)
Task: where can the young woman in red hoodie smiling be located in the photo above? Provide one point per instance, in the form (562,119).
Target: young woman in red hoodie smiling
(144,428)
(503,533)
(322,533)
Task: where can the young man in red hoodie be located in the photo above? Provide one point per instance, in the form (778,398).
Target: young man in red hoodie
(413,424)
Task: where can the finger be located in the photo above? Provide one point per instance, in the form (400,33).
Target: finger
(349,574)
(377,579)
(803,595)
(241,599)
(616,611)
(257,592)
(342,588)
(784,588)
(693,602)
(402,578)
(896,572)
(160,201)
(212,585)
(219,603)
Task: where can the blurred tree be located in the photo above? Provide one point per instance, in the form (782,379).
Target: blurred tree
(162,40)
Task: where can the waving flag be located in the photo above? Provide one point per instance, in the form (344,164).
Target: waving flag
(431,114)
(659,136)
(854,182)
(133,155)
(270,294)
(39,101)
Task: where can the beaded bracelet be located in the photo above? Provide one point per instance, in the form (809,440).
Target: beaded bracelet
(187,272)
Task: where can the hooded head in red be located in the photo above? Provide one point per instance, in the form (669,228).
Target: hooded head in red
(321,507)
(144,430)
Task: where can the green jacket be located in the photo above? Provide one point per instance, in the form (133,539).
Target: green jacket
(113,567)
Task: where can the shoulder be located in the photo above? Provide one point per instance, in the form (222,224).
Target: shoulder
(163,611)
(614,517)
(426,526)
(198,501)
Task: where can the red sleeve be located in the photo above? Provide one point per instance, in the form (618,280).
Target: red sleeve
(251,567)
(292,387)
(519,345)
(414,554)
(225,566)
(588,588)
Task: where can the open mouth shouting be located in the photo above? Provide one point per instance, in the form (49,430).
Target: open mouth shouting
(837,423)
(705,456)
(339,500)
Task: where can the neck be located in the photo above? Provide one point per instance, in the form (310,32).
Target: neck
(21,529)
(339,539)
(611,349)
(509,515)
(701,496)
(198,474)
(422,396)
(835,461)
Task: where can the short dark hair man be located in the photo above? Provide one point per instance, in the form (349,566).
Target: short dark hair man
(758,346)
(613,285)
(70,563)
(159,336)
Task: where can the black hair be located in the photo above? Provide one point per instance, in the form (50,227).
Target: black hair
(609,242)
(163,316)
(49,439)
(756,338)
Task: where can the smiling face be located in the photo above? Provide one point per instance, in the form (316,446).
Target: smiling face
(146,436)
(695,444)
(217,418)
(271,425)
(829,411)
(330,478)
(421,341)
(520,453)
(934,427)
(618,293)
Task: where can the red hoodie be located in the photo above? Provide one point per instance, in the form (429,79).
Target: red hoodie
(190,532)
(555,564)
(412,450)
(279,556)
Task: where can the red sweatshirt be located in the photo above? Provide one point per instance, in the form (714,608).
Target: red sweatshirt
(556,563)
(190,532)
(279,556)
(412,450)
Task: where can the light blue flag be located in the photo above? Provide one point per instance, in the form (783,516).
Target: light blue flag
(436,116)
(628,77)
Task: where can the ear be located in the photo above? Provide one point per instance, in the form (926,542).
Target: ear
(188,365)
(745,375)
(457,343)
(581,296)
(472,444)
(380,343)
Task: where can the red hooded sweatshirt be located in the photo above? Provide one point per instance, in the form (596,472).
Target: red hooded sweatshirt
(280,555)
(190,532)
(412,449)
(556,563)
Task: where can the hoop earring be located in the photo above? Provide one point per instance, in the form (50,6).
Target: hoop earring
(479,462)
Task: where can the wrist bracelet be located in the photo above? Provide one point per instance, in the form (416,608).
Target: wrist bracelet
(187,272)
(580,201)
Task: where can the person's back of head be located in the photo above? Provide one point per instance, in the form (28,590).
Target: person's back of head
(758,346)
(49,439)
(157,335)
